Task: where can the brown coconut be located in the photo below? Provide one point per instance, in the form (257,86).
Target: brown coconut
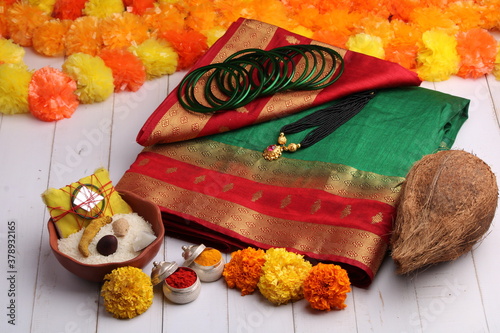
(447,204)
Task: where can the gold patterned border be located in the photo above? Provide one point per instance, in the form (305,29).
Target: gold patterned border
(353,244)
(336,179)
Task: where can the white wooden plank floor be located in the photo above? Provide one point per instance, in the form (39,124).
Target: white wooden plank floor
(38,295)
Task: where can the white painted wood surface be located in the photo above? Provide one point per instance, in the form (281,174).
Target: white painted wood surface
(460,296)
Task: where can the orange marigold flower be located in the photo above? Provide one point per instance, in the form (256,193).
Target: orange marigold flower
(244,269)
(331,37)
(202,17)
(121,30)
(164,17)
(51,94)
(48,39)
(139,7)
(129,72)
(22,20)
(84,36)
(190,45)
(326,287)
(477,49)
(68,9)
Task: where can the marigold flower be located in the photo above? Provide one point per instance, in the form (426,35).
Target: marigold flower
(190,45)
(22,20)
(68,9)
(158,57)
(103,8)
(283,275)
(121,30)
(51,94)
(14,82)
(128,71)
(477,50)
(438,58)
(127,292)
(93,78)
(366,44)
(164,17)
(48,39)
(326,286)
(244,269)
(84,36)
(10,52)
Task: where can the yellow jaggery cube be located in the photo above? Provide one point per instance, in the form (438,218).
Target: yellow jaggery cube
(73,206)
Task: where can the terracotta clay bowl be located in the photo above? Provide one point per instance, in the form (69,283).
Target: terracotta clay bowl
(95,273)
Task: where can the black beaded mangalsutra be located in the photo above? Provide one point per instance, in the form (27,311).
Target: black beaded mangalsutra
(326,121)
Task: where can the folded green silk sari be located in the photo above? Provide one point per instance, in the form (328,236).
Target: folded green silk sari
(333,201)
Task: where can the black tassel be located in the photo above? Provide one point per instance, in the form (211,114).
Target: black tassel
(325,120)
(329,119)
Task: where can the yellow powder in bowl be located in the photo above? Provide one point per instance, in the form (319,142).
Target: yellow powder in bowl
(208,257)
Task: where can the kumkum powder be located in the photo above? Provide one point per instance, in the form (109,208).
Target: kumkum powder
(183,277)
(208,257)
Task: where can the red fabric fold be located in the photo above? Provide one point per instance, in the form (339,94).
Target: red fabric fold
(361,72)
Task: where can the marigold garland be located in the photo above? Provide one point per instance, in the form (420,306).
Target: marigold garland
(436,39)
(127,292)
(244,269)
(283,275)
(326,287)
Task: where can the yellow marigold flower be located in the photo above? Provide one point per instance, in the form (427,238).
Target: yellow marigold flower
(10,52)
(127,292)
(48,39)
(366,44)
(438,59)
(244,269)
(103,8)
(158,57)
(46,5)
(283,275)
(94,79)
(326,286)
(14,85)
(121,30)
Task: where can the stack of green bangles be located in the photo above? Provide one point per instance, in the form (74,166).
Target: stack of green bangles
(252,73)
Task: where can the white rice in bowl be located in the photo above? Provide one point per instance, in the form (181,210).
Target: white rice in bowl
(125,250)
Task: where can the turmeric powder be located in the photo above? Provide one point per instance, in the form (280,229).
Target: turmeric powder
(208,257)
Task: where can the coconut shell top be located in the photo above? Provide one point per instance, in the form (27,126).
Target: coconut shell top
(447,204)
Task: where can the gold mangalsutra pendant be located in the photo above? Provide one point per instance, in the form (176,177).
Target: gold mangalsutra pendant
(273,152)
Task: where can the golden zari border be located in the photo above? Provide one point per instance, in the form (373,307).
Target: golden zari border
(337,242)
(337,179)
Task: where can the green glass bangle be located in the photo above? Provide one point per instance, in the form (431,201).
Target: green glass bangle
(252,73)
